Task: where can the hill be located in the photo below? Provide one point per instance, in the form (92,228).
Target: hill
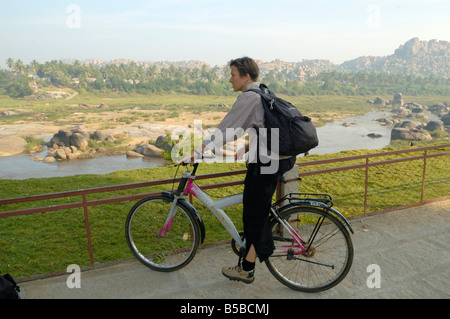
(415,57)
(416,67)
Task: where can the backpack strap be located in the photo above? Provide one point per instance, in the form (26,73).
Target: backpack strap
(265,89)
(266,95)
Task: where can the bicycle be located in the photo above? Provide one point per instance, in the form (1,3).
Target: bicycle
(314,249)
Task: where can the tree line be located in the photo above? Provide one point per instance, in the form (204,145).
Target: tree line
(133,77)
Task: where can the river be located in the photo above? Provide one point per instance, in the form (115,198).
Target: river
(333,138)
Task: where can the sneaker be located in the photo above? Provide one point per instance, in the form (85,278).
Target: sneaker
(236,273)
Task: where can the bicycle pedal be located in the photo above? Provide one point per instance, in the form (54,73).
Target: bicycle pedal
(290,255)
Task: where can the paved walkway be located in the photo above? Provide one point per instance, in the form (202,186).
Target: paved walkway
(411,247)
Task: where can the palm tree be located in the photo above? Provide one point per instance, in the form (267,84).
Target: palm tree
(34,65)
(10,63)
(20,67)
(151,72)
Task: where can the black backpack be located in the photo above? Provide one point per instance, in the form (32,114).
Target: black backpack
(8,288)
(297,134)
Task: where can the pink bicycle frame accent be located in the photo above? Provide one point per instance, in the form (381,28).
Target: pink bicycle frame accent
(168,224)
(194,190)
(190,188)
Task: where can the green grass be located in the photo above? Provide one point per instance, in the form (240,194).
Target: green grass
(48,242)
(33,143)
(322,108)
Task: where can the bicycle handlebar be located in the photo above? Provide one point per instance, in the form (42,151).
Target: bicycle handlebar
(201,156)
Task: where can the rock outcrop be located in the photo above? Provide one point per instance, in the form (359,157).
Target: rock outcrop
(410,131)
(12,146)
(77,136)
(415,57)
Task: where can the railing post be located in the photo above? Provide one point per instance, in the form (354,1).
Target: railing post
(423,176)
(366,183)
(289,183)
(88,229)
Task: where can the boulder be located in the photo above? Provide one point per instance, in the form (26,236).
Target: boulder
(49,159)
(417,109)
(385,121)
(400,133)
(99,135)
(12,146)
(77,136)
(410,124)
(149,150)
(79,140)
(398,99)
(438,108)
(61,154)
(73,156)
(446,119)
(435,126)
(162,143)
(134,154)
(379,101)
(62,137)
(152,151)
(82,130)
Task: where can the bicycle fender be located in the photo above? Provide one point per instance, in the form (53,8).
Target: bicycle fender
(183,202)
(334,211)
(307,203)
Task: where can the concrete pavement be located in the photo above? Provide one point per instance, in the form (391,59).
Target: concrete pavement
(410,246)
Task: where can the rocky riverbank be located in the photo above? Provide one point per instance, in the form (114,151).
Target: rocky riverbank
(411,121)
(73,142)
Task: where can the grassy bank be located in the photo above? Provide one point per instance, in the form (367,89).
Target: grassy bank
(130,108)
(47,242)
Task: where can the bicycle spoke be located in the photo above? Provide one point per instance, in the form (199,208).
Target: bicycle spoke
(328,255)
(159,238)
(314,262)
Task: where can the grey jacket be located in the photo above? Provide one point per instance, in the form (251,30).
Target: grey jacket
(246,114)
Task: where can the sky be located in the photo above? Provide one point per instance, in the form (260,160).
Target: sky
(215,31)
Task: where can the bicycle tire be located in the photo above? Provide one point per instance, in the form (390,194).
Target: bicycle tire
(171,251)
(329,259)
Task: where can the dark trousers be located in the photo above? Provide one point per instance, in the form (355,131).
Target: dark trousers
(258,191)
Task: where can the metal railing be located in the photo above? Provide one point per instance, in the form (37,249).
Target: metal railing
(366,165)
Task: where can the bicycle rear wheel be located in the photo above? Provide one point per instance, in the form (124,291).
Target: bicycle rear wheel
(324,264)
(152,243)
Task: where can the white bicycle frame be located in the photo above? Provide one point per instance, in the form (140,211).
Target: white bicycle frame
(217,206)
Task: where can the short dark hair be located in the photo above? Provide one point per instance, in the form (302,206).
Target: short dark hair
(245,66)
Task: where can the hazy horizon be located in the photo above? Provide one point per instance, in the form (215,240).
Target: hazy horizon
(215,31)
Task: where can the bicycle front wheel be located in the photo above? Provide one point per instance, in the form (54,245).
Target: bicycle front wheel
(329,253)
(159,242)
